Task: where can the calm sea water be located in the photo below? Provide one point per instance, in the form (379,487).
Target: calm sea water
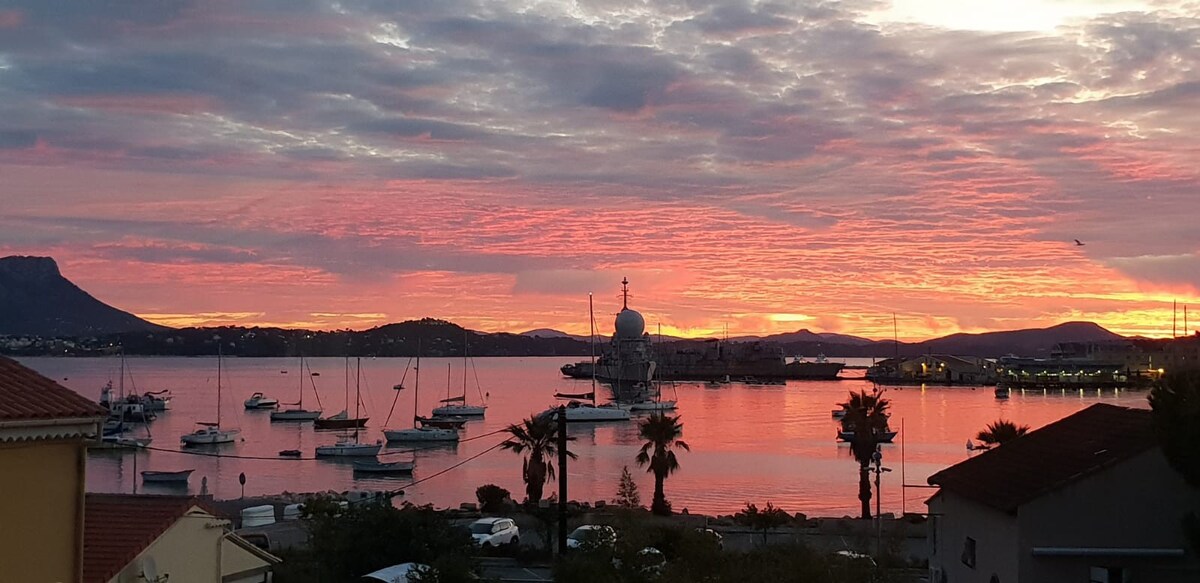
(749,443)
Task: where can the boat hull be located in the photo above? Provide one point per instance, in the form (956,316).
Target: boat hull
(210,437)
(650,406)
(295,415)
(585,412)
(384,467)
(349,450)
(460,411)
(884,437)
(340,423)
(423,434)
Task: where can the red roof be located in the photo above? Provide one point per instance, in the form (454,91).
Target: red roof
(118,527)
(27,395)
(1041,461)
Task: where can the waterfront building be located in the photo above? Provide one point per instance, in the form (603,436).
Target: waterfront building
(934,369)
(43,456)
(1087,498)
(132,538)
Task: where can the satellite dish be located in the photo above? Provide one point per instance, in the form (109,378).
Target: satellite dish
(149,570)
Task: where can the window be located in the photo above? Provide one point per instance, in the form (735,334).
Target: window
(968,553)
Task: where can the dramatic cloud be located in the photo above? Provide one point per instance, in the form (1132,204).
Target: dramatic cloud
(758,164)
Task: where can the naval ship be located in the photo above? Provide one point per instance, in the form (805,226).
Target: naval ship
(631,360)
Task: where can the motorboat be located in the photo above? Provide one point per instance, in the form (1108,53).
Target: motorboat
(260,401)
(376,467)
(209,434)
(157,401)
(349,447)
(1003,392)
(290,453)
(170,477)
(840,413)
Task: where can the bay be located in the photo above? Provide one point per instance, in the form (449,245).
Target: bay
(748,443)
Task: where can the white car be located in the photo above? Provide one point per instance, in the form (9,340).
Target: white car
(598,533)
(495,532)
(397,573)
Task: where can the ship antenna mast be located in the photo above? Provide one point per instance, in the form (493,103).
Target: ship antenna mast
(625,293)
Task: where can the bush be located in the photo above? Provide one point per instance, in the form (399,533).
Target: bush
(492,498)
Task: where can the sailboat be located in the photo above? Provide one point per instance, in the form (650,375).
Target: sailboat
(124,407)
(423,433)
(457,406)
(211,433)
(351,446)
(580,411)
(343,420)
(296,411)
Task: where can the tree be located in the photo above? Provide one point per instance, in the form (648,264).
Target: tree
(764,520)
(662,433)
(348,542)
(537,436)
(1001,431)
(1175,408)
(627,491)
(492,498)
(866,416)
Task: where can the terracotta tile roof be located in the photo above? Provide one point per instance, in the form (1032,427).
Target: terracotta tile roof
(1041,461)
(27,395)
(118,527)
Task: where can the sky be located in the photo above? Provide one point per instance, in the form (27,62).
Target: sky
(756,166)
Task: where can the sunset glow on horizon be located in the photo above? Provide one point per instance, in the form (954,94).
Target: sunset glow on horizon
(749,166)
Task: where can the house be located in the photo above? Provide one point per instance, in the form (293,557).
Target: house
(43,455)
(132,538)
(1088,498)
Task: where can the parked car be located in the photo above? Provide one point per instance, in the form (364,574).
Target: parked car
(495,532)
(396,573)
(597,534)
(714,535)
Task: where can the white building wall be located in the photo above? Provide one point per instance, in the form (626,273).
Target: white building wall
(955,518)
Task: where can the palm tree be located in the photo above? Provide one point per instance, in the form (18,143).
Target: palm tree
(1001,431)
(538,436)
(662,434)
(866,415)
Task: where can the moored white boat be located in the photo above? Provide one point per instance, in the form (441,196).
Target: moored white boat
(349,447)
(209,434)
(578,411)
(460,411)
(421,434)
(650,406)
(260,401)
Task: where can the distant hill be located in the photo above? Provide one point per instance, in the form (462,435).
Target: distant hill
(551,333)
(36,300)
(807,335)
(1030,342)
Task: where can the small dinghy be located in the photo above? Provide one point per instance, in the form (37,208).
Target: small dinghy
(375,467)
(175,477)
(290,453)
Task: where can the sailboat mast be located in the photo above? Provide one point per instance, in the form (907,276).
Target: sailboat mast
(357,380)
(218,385)
(417,383)
(300,402)
(121,383)
(592,325)
(895,335)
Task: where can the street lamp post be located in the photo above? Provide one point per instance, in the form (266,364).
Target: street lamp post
(877,459)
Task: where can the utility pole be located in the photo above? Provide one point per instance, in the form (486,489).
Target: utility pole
(562,480)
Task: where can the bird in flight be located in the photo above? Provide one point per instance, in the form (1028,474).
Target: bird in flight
(1078,243)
